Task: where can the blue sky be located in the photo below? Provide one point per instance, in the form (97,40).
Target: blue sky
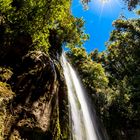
(98,20)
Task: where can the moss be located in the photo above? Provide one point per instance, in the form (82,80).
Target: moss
(37,82)
(58,137)
(5,91)
(5,74)
(5,95)
(2,117)
(15,136)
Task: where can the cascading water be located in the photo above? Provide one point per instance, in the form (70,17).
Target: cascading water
(83,126)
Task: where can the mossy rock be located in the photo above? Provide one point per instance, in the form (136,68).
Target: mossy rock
(5,74)
(6,95)
(39,108)
(5,92)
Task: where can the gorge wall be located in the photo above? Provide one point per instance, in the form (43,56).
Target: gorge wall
(33,99)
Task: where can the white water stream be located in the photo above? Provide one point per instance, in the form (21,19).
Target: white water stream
(83,125)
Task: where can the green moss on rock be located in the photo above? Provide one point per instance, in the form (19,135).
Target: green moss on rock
(6,95)
(5,74)
(38,109)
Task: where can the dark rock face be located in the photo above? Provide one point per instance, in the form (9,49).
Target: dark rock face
(127,134)
(39,109)
(13,47)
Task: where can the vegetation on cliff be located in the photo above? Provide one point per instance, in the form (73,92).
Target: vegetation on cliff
(33,96)
(33,93)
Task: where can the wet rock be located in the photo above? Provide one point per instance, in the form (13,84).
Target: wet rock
(39,108)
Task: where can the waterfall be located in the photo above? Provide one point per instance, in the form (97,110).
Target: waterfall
(84,127)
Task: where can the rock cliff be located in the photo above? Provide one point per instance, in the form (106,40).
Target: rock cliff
(33,98)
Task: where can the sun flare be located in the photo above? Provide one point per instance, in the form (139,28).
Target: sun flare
(105,5)
(104,1)
(105,8)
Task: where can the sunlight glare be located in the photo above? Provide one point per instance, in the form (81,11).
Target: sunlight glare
(105,8)
(104,1)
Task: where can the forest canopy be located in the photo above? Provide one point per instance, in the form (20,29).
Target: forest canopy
(46,24)
(117,98)
(111,77)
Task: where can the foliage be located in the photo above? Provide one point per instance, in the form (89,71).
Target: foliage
(123,59)
(27,25)
(92,75)
(121,62)
(47,23)
(132,3)
(138,12)
(6,95)
(114,76)
(5,74)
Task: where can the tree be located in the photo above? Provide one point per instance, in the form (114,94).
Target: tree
(48,24)
(132,3)
(121,63)
(123,71)
(91,74)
